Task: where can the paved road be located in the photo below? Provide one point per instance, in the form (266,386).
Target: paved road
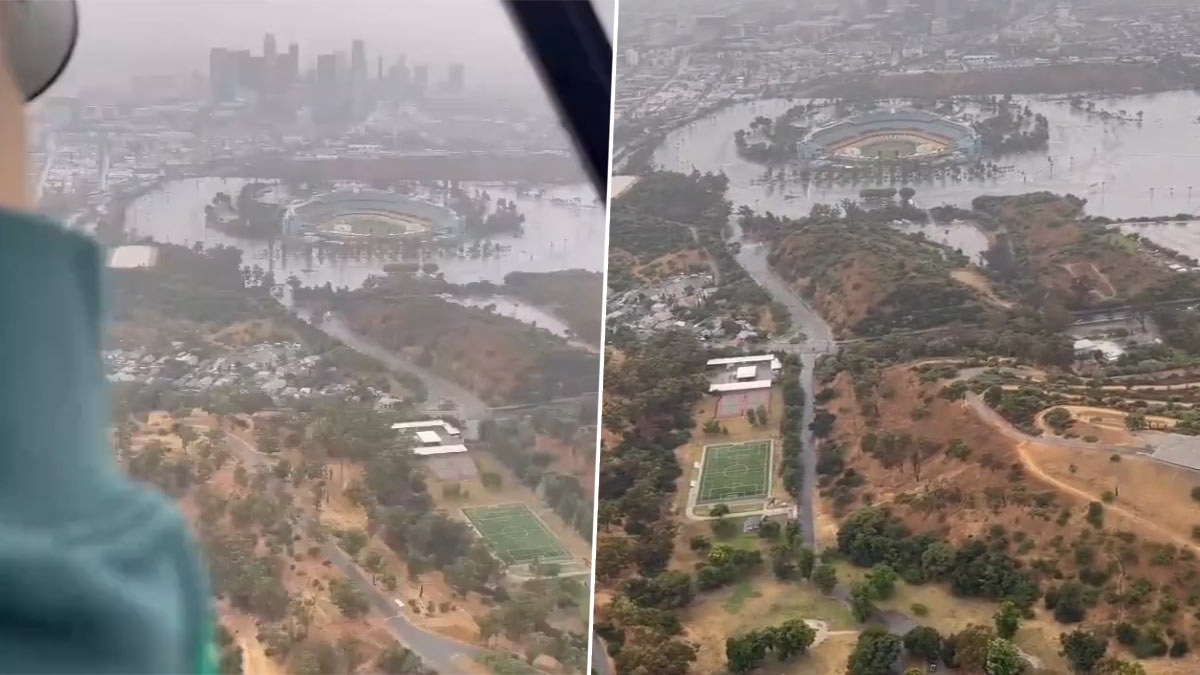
(752,256)
(436,650)
(469,405)
(820,341)
(601,663)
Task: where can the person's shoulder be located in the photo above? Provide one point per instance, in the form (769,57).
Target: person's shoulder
(28,232)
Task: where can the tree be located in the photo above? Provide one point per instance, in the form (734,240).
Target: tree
(267,440)
(187,435)
(1083,650)
(1070,603)
(1058,419)
(1007,619)
(924,642)
(862,603)
(971,646)
(397,660)
(875,653)
(806,559)
(352,541)
(1111,666)
(746,652)
(792,638)
(1003,658)
(352,603)
(613,555)
(937,560)
(373,563)
(645,651)
(825,577)
(881,581)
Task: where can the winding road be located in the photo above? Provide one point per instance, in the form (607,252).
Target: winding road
(437,651)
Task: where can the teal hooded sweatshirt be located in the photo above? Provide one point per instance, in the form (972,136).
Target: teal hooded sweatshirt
(98,574)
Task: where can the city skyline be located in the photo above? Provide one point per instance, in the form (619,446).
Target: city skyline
(114,43)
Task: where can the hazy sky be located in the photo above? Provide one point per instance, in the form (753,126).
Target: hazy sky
(121,38)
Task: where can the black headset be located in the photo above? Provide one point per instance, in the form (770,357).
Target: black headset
(568,44)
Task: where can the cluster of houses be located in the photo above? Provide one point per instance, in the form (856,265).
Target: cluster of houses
(280,370)
(665,306)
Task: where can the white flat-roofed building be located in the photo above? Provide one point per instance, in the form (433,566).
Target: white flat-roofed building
(1111,351)
(727,387)
(739,360)
(428,424)
(756,368)
(432,437)
(425,451)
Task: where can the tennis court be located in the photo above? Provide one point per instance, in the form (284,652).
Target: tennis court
(735,472)
(734,404)
(515,534)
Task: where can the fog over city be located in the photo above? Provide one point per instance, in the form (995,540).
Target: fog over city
(124,38)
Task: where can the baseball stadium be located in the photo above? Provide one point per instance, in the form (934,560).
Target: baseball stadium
(889,135)
(348,215)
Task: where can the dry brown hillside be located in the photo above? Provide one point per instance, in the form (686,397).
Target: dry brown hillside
(868,279)
(944,468)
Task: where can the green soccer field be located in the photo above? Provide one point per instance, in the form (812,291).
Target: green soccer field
(515,534)
(735,472)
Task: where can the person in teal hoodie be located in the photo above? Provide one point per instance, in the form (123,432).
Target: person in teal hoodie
(98,574)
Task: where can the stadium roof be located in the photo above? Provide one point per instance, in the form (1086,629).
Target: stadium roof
(726,387)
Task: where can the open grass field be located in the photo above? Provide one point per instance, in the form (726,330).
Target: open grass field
(515,534)
(735,471)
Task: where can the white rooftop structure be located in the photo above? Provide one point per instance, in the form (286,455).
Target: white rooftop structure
(439,450)
(427,424)
(430,442)
(746,372)
(130,257)
(726,387)
(736,360)
(1111,350)
(428,437)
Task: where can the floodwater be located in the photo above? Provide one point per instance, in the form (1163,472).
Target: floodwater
(564,229)
(515,309)
(1180,236)
(1124,168)
(965,236)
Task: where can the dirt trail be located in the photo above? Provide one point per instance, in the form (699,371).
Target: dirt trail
(254,660)
(1106,292)
(977,282)
(1025,446)
(1030,464)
